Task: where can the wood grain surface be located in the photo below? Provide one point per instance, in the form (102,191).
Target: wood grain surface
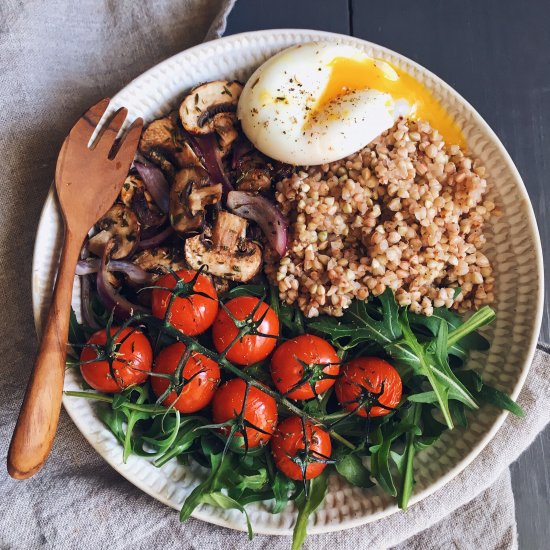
(87,183)
(495,53)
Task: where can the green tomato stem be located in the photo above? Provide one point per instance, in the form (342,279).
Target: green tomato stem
(343,440)
(130,406)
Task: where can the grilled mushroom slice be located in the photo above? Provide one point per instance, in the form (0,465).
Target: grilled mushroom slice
(227,252)
(224,124)
(253,174)
(201,109)
(120,224)
(164,143)
(136,197)
(221,285)
(191,192)
(159,260)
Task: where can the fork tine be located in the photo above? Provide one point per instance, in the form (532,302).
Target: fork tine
(87,123)
(128,145)
(107,135)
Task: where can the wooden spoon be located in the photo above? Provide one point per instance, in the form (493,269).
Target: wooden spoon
(87,183)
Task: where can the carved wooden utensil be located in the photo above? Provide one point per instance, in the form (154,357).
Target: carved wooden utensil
(87,183)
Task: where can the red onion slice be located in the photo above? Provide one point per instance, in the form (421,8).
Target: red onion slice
(86,300)
(110,298)
(155,182)
(207,149)
(87,267)
(135,273)
(265,214)
(156,240)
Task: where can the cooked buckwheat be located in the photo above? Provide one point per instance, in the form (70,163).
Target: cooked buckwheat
(406,212)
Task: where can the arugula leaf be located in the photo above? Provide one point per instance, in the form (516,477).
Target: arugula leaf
(488,394)
(170,436)
(223,501)
(121,419)
(472,341)
(480,318)
(114,420)
(244,290)
(405,462)
(423,397)
(435,366)
(384,437)
(307,505)
(352,469)
(499,399)
(282,486)
(458,412)
(441,391)
(132,419)
(76,333)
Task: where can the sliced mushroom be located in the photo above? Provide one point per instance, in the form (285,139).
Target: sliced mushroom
(200,110)
(224,124)
(160,260)
(227,253)
(221,285)
(191,192)
(120,224)
(136,197)
(164,143)
(252,174)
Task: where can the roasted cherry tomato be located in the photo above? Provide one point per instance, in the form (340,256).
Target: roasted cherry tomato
(191,314)
(131,357)
(361,379)
(248,349)
(260,410)
(199,378)
(288,446)
(297,367)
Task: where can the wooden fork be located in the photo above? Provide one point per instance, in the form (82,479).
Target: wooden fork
(87,183)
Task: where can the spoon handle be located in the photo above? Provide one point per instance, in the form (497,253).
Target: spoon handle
(37,423)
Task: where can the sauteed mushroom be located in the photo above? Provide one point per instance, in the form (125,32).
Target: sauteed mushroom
(120,224)
(164,143)
(252,174)
(202,107)
(136,197)
(190,194)
(159,260)
(226,251)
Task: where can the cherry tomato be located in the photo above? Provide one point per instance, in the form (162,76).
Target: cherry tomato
(248,349)
(132,357)
(289,443)
(200,375)
(192,314)
(304,357)
(260,410)
(366,374)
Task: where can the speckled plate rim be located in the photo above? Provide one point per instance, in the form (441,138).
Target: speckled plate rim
(205,513)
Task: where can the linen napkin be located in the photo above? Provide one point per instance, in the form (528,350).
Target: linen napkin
(56,58)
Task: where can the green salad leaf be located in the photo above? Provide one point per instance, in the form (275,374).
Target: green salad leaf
(428,352)
(317,489)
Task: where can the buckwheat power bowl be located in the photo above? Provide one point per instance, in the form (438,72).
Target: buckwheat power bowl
(290,284)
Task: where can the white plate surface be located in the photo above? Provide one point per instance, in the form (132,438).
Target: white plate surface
(513,246)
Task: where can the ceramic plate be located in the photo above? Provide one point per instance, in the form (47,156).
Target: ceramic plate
(512,245)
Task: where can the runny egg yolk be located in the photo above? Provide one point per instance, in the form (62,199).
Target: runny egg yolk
(351,74)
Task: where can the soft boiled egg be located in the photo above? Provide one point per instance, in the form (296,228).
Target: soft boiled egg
(322,101)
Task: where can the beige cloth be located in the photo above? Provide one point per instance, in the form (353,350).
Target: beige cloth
(56,58)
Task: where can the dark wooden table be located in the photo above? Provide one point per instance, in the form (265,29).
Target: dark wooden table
(496,53)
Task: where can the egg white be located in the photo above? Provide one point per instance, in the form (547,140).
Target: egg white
(276,106)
